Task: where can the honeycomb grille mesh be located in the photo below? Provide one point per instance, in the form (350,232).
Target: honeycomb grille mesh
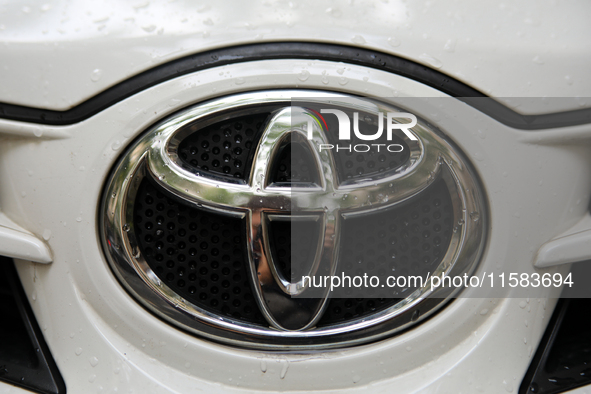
(294,165)
(224,148)
(199,255)
(409,240)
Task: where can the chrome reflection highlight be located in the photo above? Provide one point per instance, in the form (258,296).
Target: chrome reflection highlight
(259,201)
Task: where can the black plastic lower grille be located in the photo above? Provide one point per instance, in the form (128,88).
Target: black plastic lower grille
(25,360)
(563,359)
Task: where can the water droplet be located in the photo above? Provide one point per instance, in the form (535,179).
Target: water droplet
(522,304)
(568,79)
(334,12)
(358,40)
(356,378)
(475,216)
(78,351)
(450,45)
(46,234)
(96,74)
(149,28)
(415,315)
(116,145)
(394,42)
(304,75)
(455,229)
(93,361)
(460,222)
(126,227)
(343,81)
(34,296)
(239,81)
(263,366)
(141,5)
(92,378)
(436,63)
(38,132)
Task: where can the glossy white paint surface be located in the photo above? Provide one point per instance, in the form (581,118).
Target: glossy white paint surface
(17,242)
(56,54)
(580,390)
(102,339)
(570,247)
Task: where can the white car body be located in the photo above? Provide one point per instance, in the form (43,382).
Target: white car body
(56,55)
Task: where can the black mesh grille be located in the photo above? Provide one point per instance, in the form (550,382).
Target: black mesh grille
(294,164)
(224,148)
(199,255)
(227,148)
(408,239)
(354,165)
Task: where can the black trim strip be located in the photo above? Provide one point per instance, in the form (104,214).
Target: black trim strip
(562,360)
(295,50)
(528,384)
(35,369)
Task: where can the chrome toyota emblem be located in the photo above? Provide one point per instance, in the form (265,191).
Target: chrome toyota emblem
(291,307)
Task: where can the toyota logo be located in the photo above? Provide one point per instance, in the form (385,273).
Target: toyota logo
(291,306)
